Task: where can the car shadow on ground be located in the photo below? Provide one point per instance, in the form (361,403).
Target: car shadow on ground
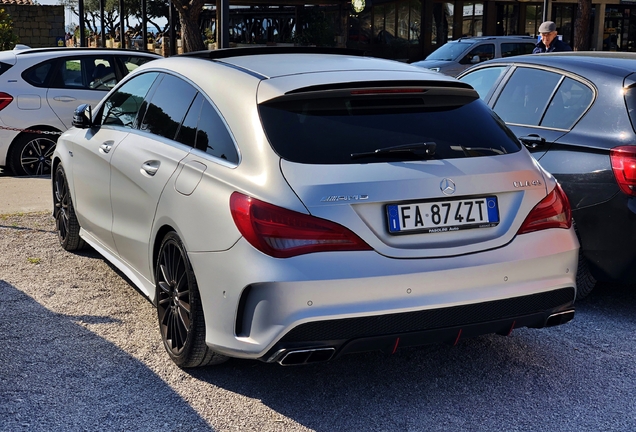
(523,382)
(61,376)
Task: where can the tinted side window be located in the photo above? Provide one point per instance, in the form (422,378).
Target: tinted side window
(483,80)
(484,52)
(516,48)
(188,130)
(213,136)
(101,73)
(568,105)
(130,63)
(122,106)
(168,106)
(87,72)
(526,95)
(36,75)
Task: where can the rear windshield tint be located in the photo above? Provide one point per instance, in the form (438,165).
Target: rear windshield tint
(330,130)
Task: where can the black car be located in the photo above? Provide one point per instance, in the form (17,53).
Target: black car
(575,113)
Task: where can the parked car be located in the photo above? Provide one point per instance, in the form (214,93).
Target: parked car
(455,56)
(295,204)
(42,87)
(574,112)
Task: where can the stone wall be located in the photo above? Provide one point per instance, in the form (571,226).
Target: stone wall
(37,26)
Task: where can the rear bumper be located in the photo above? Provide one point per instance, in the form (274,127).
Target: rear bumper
(447,325)
(608,238)
(348,300)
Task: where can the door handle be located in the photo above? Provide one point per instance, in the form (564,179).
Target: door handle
(150,167)
(532,141)
(64,98)
(106,146)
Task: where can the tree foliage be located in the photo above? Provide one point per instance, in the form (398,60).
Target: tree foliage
(112,15)
(189,12)
(8,39)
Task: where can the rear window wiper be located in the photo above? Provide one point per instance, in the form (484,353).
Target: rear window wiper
(423,150)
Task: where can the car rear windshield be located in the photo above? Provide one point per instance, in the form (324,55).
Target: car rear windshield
(328,130)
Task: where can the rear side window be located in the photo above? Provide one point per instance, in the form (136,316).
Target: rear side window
(535,97)
(204,129)
(569,103)
(526,96)
(168,106)
(36,75)
(85,72)
(4,67)
(510,49)
(328,130)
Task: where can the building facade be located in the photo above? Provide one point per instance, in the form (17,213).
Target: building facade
(411,29)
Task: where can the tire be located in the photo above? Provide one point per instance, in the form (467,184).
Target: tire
(30,154)
(585,282)
(66,223)
(179,309)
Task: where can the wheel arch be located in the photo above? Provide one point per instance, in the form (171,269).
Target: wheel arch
(161,234)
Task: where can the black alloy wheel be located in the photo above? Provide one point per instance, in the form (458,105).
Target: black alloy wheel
(31,155)
(181,320)
(66,223)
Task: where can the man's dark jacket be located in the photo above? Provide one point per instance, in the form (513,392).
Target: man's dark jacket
(557,45)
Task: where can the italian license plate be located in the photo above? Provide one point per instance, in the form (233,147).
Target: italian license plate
(443,216)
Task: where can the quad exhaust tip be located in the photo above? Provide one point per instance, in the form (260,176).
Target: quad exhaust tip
(306,356)
(559,318)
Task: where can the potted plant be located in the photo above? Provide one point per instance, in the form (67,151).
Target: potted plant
(210,39)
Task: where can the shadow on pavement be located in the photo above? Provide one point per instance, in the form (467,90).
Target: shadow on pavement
(559,378)
(67,378)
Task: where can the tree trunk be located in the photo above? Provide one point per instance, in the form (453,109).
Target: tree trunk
(189,12)
(582,26)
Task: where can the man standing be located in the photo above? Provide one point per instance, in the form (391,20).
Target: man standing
(549,40)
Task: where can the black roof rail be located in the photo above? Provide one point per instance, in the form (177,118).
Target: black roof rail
(239,52)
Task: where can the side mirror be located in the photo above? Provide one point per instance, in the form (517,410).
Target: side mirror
(475,59)
(82,117)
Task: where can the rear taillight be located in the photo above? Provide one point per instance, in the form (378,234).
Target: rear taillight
(5,99)
(552,212)
(283,233)
(624,166)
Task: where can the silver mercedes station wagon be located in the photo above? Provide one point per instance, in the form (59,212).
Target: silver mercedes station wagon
(295,204)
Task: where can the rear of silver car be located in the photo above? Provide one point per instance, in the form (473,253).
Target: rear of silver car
(425,221)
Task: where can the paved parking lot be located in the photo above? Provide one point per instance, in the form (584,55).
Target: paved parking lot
(24,194)
(81,351)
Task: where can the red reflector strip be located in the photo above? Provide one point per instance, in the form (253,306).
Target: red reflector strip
(387,91)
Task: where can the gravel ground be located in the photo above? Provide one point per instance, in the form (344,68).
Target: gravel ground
(81,351)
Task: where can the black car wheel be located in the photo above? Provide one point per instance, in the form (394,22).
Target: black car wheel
(181,320)
(66,223)
(31,155)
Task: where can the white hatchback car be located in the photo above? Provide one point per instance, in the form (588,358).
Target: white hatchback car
(293,205)
(41,89)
